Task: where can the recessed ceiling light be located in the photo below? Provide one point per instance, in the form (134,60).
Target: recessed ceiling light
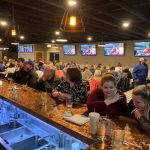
(49,45)
(22,37)
(57,33)
(3,23)
(89,38)
(125,24)
(0,40)
(15,43)
(61,40)
(72,2)
(53,41)
(101,45)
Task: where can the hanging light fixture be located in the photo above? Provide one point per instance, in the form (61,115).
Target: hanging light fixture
(72,19)
(13,29)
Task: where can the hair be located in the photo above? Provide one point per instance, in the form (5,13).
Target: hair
(107,78)
(112,68)
(144,91)
(97,73)
(74,74)
(52,70)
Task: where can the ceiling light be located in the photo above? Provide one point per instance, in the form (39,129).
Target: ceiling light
(61,40)
(49,45)
(73,20)
(15,43)
(72,2)
(149,34)
(57,33)
(89,38)
(125,24)
(3,23)
(13,32)
(101,45)
(22,37)
(0,40)
(53,41)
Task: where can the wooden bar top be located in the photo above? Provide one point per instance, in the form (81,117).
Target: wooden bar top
(31,101)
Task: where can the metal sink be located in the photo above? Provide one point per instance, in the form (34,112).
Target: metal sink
(16,135)
(9,126)
(29,144)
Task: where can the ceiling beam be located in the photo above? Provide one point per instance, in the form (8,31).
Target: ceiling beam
(32,7)
(131,10)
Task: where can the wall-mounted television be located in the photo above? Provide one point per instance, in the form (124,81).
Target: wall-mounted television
(88,49)
(28,48)
(114,49)
(25,48)
(69,50)
(142,48)
(20,49)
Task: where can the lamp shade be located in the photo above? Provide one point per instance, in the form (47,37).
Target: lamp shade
(13,32)
(72,21)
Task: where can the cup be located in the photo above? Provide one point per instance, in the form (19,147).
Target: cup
(104,128)
(68,112)
(94,121)
(43,98)
(118,138)
(69,103)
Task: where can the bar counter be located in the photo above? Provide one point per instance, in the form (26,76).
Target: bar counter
(30,100)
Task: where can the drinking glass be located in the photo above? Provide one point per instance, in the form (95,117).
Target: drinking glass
(68,112)
(43,98)
(117,138)
(69,103)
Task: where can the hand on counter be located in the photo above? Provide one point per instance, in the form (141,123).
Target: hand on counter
(61,95)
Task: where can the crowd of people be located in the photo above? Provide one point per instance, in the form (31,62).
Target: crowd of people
(100,88)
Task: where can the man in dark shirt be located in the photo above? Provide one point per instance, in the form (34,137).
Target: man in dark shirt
(17,76)
(30,76)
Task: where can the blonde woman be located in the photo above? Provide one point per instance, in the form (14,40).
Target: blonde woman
(141,103)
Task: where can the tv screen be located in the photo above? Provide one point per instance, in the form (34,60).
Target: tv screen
(88,49)
(69,50)
(20,49)
(25,48)
(142,48)
(114,49)
(28,48)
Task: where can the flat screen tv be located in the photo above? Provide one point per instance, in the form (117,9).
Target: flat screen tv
(88,50)
(142,48)
(114,49)
(28,48)
(25,48)
(20,49)
(69,50)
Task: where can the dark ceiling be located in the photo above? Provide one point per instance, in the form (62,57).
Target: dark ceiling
(38,19)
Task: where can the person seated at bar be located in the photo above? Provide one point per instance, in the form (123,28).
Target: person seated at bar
(106,99)
(139,106)
(19,72)
(30,76)
(48,81)
(72,87)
